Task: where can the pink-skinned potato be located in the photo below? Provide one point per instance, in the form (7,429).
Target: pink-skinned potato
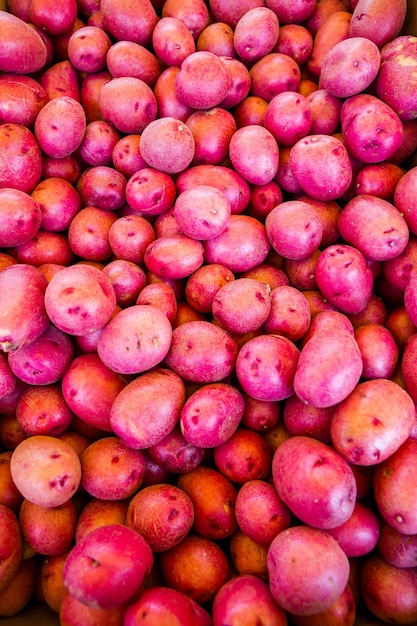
(308,570)
(164,605)
(23,316)
(73,612)
(333,29)
(327,488)
(378,21)
(359,534)
(20,217)
(245,600)
(28,97)
(329,368)
(60,126)
(46,470)
(396,82)
(22,49)
(161,394)
(20,158)
(11,546)
(394,488)
(409,370)
(129,20)
(108,566)
(410,299)
(15,597)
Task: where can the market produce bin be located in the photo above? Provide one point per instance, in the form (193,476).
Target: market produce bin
(36,614)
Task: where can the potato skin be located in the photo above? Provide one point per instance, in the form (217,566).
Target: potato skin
(378,20)
(22,50)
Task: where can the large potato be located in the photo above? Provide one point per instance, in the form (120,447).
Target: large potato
(22,49)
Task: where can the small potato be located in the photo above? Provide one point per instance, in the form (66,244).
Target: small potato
(405,198)
(167,144)
(256,34)
(60,127)
(327,493)
(289,315)
(20,158)
(274,73)
(359,534)
(396,81)
(203,80)
(294,229)
(202,212)
(242,305)
(150,191)
(22,49)
(371,129)
(175,256)
(129,20)
(87,49)
(28,98)
(128,103)
(332,30)
(20,217)
(172,41)
(377,21)
(372,422)
(46,470)
(350,67)
(126,58)
(388,232)
(288,117)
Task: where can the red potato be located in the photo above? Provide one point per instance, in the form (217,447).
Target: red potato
(329,494)
(160,603)
(59,202)
(371,130)
(128,20)
(126,157)
(163,514)
(231,12)
(150,191)
(292,12)
(252,249)
(128,103)
(60,126)
(217,37)
(67,168)
(10,496)
(397,548)
(251,110)
(255,374)
(174,256)
(300,418)
(203,80)
(48,530)
(256,34)
(389,592)
(127,278)
(213,497)
(55,22)
(161,394)
(23,316)
(192,342)
(172,41)
(389,229)
(168,102)
(174,454)
(308,570)
(263,199)
(11,547)
(102,187)
(108,566)
(202,212)
(22,49)
(89,93)
(260,512)
(325,112)
(42,410)
(244,456)
(80,299)
(288,117)
(211,415)
(390,414)
(19,592)
(98,513)
(194,14)
(242,305)
(273,74)
(212,131)
(45,247)
(129,237)
(232,184)
(377,22)
(203,284)
(328,321)
(379,350)
(331,31)
(404,198)
(241,82)
(341,368)
(344,278)
(360,533)
(72,612)
(111,470)
(295,41)
(294,229)
(87,49)
(92,403)
(88,233)
(350,67)
(399,270)
(410,299)
(167,144)
(160,295)
(398,61)
(98,143)
(20,217)
(393,487)
(61,79)
(46,471)
(20,158)
(342,610)
(145,334)
(127,58)
(381,180)
(27,95)
(334,177)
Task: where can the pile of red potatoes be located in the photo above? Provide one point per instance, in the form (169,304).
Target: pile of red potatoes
(208,312)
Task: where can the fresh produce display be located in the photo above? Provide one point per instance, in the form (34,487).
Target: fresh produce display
(208,312)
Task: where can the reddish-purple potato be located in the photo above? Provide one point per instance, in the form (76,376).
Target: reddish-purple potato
(202,212)
(266,366)
(150,191)
(308,570)
(241,82)
(212,131)
(296,41)
(129,20)
(28,97)
(161,394)
(294,229)
(20,158)
(203,80)
(254,152)
(273,74)
(289,315)
(256,34)
(59,202)
(300,418)
(160,603)
(376,21)
(327,493)
(172,41)
(379,350)
(242,305)
(127,58)
(405,198)
(359,534)
(60,126)
(88,233)
(288,117)
(167,144)
(325,112)
(20,217)
(87,49)
(174,454)
(80,299)
(194,14)
(204,283)
(395,82)
(168,102)
(174,256)
(98,143)
(370,424)
(128,103)
(22,49)
(397,548)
